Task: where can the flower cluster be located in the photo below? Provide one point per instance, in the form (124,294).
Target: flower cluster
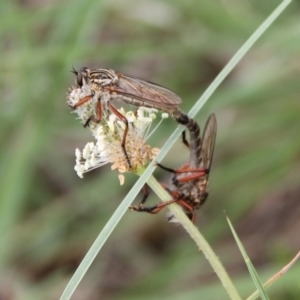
(109,134)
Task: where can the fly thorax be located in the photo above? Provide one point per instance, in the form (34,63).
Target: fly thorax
(102,78)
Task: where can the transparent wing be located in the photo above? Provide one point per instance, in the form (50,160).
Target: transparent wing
(208,142)
(144,93)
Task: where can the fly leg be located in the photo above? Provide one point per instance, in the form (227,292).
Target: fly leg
(185,169)
(98,116)
(153,209)
(184,140)
(144,199)
(150,209)
(125,121)
(189,211)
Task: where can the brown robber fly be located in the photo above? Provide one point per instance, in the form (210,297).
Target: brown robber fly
(108,85)
(189,188)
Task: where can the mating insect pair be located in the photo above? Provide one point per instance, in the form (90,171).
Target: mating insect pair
(190,181)
(105,86)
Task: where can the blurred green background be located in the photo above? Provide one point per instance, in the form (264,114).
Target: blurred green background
(49,217)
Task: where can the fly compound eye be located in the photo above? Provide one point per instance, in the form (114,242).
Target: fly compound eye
(80,75)
(79,79)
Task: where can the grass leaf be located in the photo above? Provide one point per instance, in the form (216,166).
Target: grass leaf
(249,264)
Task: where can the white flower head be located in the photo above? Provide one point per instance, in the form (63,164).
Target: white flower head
(109,135)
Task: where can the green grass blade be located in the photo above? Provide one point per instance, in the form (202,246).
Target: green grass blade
(263,294)
(271,280)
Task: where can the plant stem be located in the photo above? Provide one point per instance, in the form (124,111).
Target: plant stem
(193,231)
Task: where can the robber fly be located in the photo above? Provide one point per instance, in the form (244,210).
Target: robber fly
(108,85)
(189,188)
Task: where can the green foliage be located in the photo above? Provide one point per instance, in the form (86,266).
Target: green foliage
(50,217)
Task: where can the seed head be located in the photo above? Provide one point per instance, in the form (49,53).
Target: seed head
(108,136)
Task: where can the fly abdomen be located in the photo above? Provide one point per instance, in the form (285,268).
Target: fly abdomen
(195,139)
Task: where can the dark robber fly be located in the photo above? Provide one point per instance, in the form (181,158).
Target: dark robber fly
(189,188)
(108,85)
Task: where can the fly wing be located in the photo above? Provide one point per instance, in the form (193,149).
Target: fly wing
(144,93)
(208,142)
